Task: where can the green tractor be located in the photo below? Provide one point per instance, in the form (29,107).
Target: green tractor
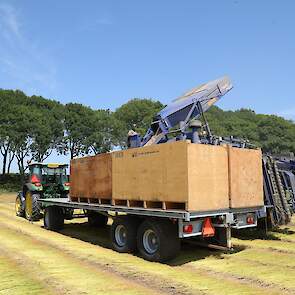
(44,181)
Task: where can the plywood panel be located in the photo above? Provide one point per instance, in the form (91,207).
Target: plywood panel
(100,179)
(153,173)
(78,176)
(91,177)
(208,177)
(246,179)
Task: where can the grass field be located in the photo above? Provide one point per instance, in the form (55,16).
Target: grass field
(79,261)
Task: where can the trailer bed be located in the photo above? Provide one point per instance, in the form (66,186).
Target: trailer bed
(168,213)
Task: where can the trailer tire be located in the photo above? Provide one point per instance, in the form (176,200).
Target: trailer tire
(123,234)
(96,219)
(157,240)
(53,218)
(68,213)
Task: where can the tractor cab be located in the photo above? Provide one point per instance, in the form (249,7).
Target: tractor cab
(44,181)
(51,179)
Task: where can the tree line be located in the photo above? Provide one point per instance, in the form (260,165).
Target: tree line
(31,128)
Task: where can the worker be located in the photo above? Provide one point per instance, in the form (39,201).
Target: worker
(133,139)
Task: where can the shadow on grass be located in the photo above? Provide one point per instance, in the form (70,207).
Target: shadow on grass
(285,231)
(101,237)
(190,252)
(95,235)
(254,234)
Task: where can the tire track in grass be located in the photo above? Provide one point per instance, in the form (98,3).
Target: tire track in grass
(268,275)
(275,245)
(180,278)
(285,234)
(233,266)
(43,254)
(15,280)
(69,274)
(264,257)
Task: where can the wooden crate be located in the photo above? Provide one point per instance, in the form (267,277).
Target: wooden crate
(91,177)
(194,175)
(178,175)
(245,177)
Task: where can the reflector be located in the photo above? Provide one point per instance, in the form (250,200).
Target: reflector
(208,230)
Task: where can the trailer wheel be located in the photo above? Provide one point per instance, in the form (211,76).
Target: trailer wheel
(123,234)
(157,240)
(53,218)
(96,219)
(68,213)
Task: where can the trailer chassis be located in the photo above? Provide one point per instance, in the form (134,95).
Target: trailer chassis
(174,224)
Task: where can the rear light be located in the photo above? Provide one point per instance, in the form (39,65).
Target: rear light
(35,179)
(188,229)
(37,184)
(208,230)
(250,219)
(67,184)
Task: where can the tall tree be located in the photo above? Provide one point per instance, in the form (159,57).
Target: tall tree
(104,133)
(47,133)
(136,114)
(8,100)
(78,120)
(21,138)
(272,133)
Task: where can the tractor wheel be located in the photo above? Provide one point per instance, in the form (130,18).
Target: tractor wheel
(32,208)
(19,210)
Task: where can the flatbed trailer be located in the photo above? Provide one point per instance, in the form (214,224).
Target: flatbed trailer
(155,233)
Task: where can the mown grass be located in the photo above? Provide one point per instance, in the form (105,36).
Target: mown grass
(63,272)
(14,280)
(257,267)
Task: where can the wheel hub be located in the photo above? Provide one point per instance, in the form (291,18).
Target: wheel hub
(121,235)
(150,241)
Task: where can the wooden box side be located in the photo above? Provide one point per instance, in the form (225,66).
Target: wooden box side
(100,176)
(246,178)
(153,173)
(91,177)
(208,177)
(78,177)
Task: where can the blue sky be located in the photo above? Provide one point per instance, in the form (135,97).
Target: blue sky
(102,53)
